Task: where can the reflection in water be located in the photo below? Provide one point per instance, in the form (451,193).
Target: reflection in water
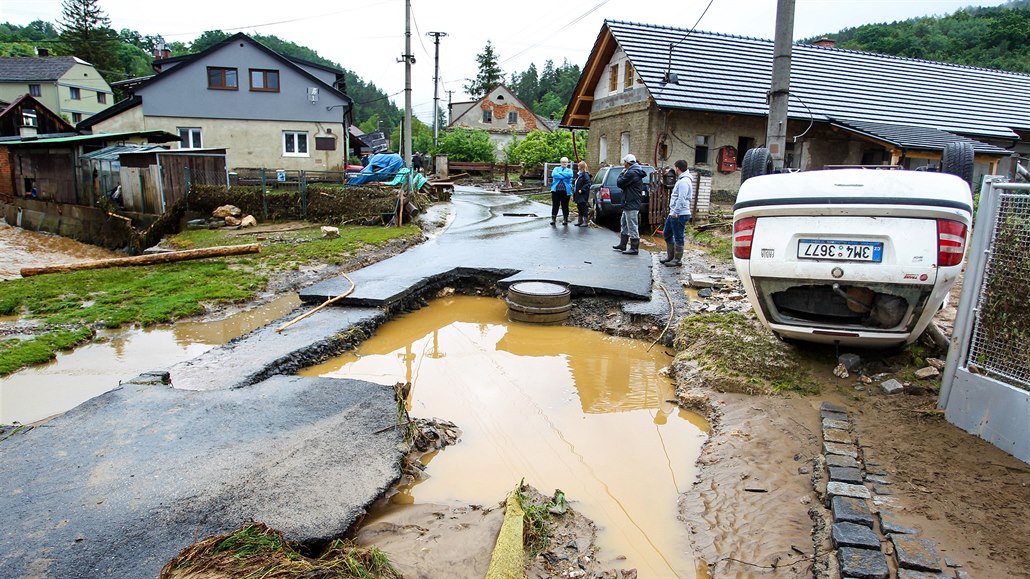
(23,248)
(74,377)
(563,407)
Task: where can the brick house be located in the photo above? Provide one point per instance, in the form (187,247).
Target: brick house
(500,113)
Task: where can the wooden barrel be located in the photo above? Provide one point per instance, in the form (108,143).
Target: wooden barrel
(538,302)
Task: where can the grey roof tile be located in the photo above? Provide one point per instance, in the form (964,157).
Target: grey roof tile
(32,68)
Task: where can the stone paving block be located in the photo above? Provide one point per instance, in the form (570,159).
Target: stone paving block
(841,461)
(892,386)
(838,436)
(838,424)
(836,489)
(862,563)
(915,553)
(880,500)
(910,574)
(890,524)
(830,415)
(841,449)
(831,407)
(851,510)
(846,475)
(878,479)
(852,535)
(882,490)
(960,574)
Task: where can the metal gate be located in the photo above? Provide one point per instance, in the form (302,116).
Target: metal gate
(986,385)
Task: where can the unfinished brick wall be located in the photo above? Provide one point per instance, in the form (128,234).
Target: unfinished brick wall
(7,189)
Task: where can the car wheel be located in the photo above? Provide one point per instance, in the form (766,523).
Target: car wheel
(958,160)
(757,161)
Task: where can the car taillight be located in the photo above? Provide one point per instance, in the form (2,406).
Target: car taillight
(743,234)
(951,242)
(605,193)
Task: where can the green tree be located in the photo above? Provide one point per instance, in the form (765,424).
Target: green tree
(490,73)
(421,137)
(541,147)
(207,39)
(86,33)
(469,145)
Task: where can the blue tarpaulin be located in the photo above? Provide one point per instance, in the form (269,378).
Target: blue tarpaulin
(381,167)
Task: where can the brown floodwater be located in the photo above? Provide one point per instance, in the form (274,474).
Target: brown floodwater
(45,390)
(23,248)
(562,407)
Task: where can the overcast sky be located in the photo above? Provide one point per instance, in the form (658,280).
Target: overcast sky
(368,37)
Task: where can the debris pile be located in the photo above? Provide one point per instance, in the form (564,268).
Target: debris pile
(224,216)
(717,294)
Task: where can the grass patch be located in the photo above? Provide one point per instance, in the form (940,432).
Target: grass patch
(739,354)
(717,246)
(16,354)
(255,550)
(537,527)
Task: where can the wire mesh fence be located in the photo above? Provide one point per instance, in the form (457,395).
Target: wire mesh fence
(1000,340)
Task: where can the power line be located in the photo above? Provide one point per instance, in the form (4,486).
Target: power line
(570,23)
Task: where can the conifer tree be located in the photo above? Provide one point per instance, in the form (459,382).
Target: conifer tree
(86,33)
(490,73)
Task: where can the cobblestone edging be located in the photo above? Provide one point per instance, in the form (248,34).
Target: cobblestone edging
(870,541)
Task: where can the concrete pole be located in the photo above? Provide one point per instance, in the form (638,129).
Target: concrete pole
(779,93)
(408,58)
(436,88)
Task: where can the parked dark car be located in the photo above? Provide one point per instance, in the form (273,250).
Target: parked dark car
(606,195)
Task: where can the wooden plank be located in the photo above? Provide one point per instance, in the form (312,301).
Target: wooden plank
(152,259)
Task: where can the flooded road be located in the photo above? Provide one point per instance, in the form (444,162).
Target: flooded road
(22,248)
(561,407)
(73,377)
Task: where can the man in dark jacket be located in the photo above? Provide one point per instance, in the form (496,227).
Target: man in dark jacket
(631,181)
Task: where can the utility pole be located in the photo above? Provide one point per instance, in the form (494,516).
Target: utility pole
(436,85)
(409,59)
(779,92)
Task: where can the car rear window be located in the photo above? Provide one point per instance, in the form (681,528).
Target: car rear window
(613,176)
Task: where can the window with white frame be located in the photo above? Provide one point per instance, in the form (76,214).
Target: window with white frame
(624,145)
(190,138)
(701,146)
(102,98)
(488,116)
(295,144)
(28,118)
(602,149)
(35,90)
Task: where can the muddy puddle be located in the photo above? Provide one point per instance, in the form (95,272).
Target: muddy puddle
(73,377)
(561,407)
(23,248)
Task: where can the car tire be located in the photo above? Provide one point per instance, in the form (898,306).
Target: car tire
(958,160)
(757,162)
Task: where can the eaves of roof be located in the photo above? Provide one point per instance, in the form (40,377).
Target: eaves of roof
(913,138)
(154,136)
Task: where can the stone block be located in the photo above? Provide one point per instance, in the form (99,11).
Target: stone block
(915,553)
(837,489)
(831,407)
(892,386)
(878,479)
(838,436)
(841,461)
(910,574)
(838,424)
(846,475)
(862,563)
(853,535)
(851,510)
(890,525)
(928,372)
(841,449)
(882,490)
(851,362)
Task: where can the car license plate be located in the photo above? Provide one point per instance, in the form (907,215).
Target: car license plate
(840,250)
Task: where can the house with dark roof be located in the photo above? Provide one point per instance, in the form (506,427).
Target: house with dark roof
(263,108)
(67,85)
(665,93)
(498,112)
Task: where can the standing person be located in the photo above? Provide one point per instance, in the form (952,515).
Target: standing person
(631,181)
(679,214)
(561,190)
(581,193)
(416,162)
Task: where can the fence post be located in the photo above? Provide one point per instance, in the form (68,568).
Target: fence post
(303,187)
(264,199)
(186,185)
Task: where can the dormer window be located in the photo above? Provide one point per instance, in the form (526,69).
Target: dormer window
(219,78)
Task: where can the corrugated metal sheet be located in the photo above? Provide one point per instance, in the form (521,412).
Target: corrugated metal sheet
(723,73)
(918,138)
(111,153)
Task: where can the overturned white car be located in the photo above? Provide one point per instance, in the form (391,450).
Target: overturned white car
(860,257)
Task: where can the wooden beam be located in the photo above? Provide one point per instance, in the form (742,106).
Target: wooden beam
(151,259)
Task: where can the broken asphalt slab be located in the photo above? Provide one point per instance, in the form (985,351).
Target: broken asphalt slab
(505,236)
(120,484)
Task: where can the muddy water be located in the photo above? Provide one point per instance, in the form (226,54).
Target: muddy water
(73,377)
(561,407)
(22,248)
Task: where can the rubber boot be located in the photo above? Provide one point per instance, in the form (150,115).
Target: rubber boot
(623,238)
(670,252)
(677,258)
(634,247)
(579,220)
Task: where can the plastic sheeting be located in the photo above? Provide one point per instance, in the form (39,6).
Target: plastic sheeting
(381,167)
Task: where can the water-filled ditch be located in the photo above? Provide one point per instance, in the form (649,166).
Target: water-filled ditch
(562,407)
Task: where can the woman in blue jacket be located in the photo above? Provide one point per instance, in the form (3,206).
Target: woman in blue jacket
(561,190)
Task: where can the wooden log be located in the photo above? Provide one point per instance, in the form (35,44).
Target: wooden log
(151,259)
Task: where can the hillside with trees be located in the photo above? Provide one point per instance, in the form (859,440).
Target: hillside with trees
(996,37)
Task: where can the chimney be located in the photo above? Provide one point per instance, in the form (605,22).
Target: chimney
(42,52)
(826,42)
(161,50)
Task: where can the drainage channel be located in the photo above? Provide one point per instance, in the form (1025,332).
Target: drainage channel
(562,407)
(74,377)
